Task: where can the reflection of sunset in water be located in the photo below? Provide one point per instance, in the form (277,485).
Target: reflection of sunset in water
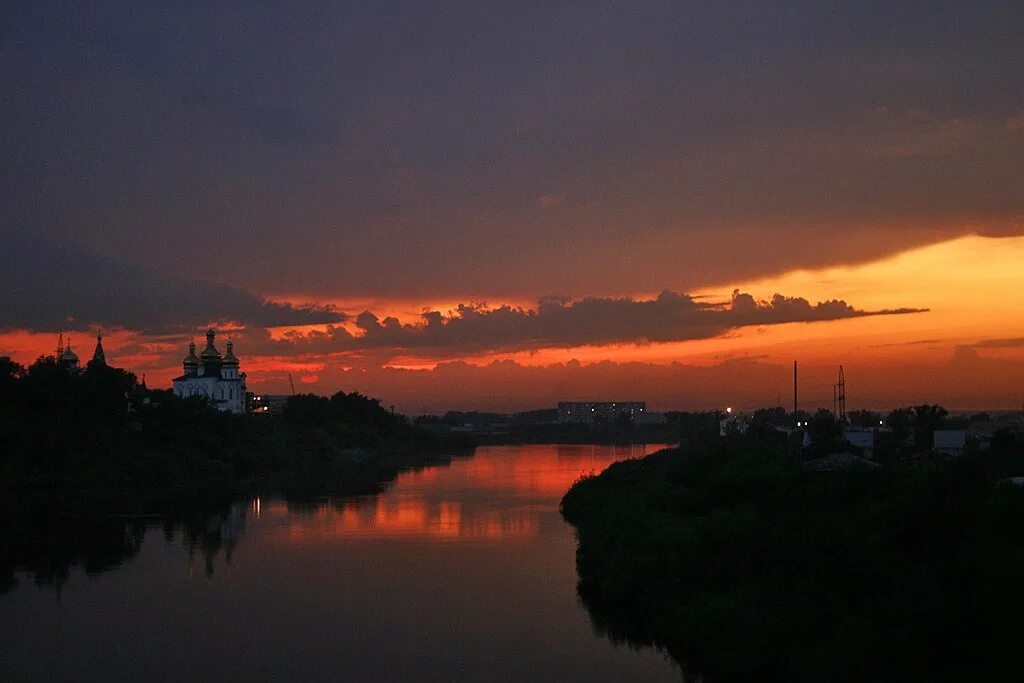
(470,567)
(408,517)
(496,494)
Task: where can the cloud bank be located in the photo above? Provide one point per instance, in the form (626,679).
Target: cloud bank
(51,286)
(510,148)
(595,321)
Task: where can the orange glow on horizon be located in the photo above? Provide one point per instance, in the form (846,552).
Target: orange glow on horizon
(966,284)
(969,285)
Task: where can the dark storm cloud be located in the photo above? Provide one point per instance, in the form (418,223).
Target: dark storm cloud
(50,286)
(508,148)
(669,317)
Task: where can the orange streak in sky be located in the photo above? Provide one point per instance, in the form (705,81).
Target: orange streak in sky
(971,285)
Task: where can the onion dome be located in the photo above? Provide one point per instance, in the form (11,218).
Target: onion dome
(191,360)
(69,357)
(210,352)
(229,358)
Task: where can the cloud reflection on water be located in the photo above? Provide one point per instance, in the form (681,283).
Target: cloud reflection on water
(496,494)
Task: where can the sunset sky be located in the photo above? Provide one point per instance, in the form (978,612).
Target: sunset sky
(503,205)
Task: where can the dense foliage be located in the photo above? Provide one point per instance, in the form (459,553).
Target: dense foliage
(77,448)
(542,426)
(100,437)
(745,565)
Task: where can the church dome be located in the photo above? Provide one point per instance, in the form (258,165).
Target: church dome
(191,360)
(210,352)
(69,356)
(229,357)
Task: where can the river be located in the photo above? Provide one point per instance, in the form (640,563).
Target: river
(459,572)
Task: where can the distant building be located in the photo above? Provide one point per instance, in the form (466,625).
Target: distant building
(864,438)
(214,376)
(950,441)
(647,418)
(598,411)
(983,432)
(98,357)
(67,358)
(733,423)
(267,403)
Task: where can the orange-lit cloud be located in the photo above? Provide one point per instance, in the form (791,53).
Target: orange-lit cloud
(973,325)
(594,321)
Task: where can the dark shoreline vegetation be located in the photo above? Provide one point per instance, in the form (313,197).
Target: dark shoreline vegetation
(543,427)
(86,456)
(744,564)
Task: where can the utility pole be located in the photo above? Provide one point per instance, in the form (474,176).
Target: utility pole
(795,405)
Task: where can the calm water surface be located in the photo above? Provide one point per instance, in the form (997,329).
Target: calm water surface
(458,572)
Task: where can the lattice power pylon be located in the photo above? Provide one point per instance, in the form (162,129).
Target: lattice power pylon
(839,397)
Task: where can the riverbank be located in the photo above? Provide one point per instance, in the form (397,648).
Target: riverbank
(100,440)
(80,448)
(745,565)
(546,427)
(178,454)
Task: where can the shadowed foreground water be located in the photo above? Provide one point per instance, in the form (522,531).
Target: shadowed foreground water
(459,572)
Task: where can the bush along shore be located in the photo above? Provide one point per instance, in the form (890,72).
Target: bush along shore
(744,564)
(78,447)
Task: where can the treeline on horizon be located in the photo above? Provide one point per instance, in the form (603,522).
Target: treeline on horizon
(746,564)
(542,426)
(99,434)
(80,447)
(903,431)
